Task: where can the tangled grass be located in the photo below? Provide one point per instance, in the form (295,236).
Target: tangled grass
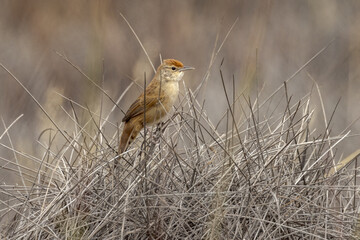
(265,175)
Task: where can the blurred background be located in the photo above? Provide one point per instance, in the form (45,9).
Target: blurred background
(269,41)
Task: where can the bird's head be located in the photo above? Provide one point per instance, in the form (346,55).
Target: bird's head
(172,70)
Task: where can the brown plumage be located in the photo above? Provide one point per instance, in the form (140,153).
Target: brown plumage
(161,94)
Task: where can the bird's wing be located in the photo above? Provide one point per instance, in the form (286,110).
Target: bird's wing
(137,108)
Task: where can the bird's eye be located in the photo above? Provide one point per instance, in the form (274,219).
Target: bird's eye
(173,68)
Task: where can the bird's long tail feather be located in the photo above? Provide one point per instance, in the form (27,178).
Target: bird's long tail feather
(131,130)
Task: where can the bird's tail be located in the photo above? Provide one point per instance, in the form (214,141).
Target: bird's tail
(130,131)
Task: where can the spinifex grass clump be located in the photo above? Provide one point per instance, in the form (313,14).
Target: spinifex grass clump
(265,175)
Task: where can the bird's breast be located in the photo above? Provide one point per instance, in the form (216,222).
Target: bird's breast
(171,92)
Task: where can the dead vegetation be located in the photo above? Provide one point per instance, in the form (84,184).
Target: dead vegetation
(262,172)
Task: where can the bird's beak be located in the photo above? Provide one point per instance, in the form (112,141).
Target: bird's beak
(186,68)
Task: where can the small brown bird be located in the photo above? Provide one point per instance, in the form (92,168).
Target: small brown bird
(160,95)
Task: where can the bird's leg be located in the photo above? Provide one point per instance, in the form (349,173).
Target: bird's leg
(144,144)
(155,135)
(157,132)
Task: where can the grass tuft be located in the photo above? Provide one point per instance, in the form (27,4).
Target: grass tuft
(264,175)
